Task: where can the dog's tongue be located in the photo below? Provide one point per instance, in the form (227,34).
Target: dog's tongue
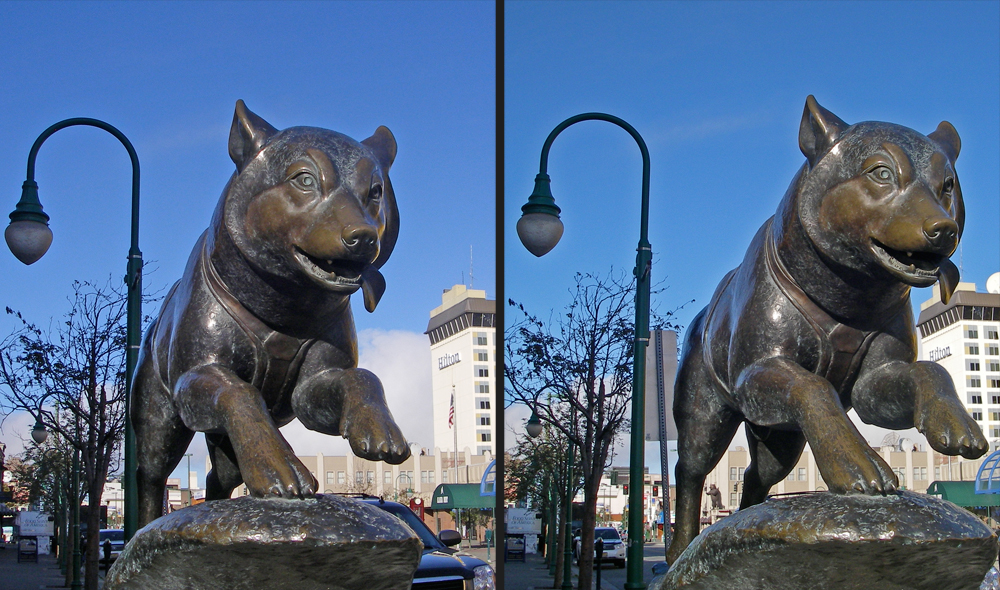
(948,277)
(372,287)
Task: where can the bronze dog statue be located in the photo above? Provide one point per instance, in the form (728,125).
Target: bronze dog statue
(817,319)
(259,330)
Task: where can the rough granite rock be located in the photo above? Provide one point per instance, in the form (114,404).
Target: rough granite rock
(321,543)
(904,541)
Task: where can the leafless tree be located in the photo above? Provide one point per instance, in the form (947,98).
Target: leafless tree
(575,373)
(71,378)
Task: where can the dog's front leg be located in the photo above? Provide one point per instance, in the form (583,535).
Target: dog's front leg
(778,392)
(211,398)
(350,402)
(900,395)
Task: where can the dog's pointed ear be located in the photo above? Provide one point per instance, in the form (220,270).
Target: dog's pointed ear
(818,131)
(947,139)
(372,287)
(247,136)
(383,144)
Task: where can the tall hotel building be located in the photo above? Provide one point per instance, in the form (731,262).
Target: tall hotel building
(462,331)
(964,337)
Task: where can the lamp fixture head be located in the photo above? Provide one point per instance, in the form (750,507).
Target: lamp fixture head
(28,235)
(539,227)
(39,433)
(533,426)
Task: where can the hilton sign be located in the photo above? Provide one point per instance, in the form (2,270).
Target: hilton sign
(940,353)
(448,360)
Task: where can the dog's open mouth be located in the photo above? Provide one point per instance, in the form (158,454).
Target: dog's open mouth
(342,274)
(920,267)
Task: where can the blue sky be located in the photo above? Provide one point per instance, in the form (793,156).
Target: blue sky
(717,89)
(168,74)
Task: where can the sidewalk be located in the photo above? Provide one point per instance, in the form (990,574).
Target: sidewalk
(28,575)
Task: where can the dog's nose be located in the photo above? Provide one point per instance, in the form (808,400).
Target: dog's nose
(360,240)
(941,232)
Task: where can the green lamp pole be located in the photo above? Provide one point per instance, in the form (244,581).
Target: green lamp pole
(29,237)
(540,229)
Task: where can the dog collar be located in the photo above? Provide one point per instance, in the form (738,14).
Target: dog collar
(846,346)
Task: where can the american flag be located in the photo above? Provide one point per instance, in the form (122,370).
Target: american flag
(451,412)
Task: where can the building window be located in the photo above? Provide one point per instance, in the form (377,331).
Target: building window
(483,450)
(971,364)
(341,477)
(971,332)
(971,348)
(901,474)
(484,404)
(802,473)
(991,333)
(371,477)
(483,356)
(995,416)
(482,371)
(976,398)
(484,419)
(973,381)
(732,474)
(937,472)
(992,349)
(996,432)
(482,387)
(423,477)
(995,399)
(977,416)
(330,478)
(791,475)
(993,382)
(359,477)
(732,500)
(482,339)
(484,436)
(386,477)
(992,365)
(444,476)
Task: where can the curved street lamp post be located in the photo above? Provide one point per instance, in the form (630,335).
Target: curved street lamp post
(539,230)
(29,237)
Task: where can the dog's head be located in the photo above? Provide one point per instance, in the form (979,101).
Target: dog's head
(880,199)
(310,207)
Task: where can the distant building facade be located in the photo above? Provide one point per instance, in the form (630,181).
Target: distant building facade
(462,333)
(964,338)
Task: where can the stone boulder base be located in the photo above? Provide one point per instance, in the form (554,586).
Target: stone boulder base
(321,543)
(824,541)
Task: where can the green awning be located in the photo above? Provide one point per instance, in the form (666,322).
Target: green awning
(963,493)
(460,495)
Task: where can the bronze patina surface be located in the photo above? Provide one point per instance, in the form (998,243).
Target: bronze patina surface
(259,329)
(321,543)
(825,541)
(817,320)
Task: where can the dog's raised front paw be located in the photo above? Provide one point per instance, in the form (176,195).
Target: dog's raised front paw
(374,436)
(950,430)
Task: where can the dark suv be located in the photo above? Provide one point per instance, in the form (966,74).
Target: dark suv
(441,568)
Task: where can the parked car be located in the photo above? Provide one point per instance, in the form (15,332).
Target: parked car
(441,567)
(614,547)
(117,538)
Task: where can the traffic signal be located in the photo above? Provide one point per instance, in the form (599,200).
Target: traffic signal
(625,487)
(656,491)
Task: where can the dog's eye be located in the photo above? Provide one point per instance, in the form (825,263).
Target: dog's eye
(881,174)
(304,180)
(949,183)
(375,193)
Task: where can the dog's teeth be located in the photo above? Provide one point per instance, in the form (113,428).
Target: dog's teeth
(910,254)
(913,268)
